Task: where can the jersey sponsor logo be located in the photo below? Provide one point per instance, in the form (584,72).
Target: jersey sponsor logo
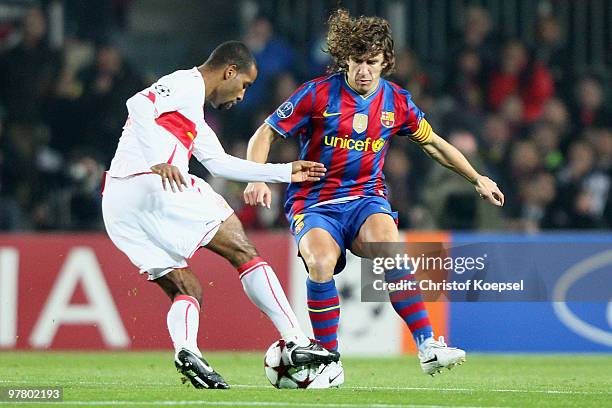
(360,122)
(162,90)
(327,114)
(387,119)
(377,145)
(285,110)
(346,142)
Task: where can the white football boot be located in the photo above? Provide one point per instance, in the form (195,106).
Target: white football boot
(436,355)
(335,371)
(328,376)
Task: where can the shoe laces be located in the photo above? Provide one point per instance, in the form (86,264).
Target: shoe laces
(440,342)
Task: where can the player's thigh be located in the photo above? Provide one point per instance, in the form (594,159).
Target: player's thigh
(231,242)
(182,222)
(320,252)
(122,208)
(377,228)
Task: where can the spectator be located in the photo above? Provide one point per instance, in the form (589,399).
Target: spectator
(590,109)
(106,84)
(83,193)
(10,214)
(523,162)
(28,72)
(555,114)
(284,85)
(496,137)
(466,84)
(318,60)
(452,202)
(520,75)
(536,195)
(273,55)
(547,139)
(583,191)
(603,146)
(477,36)
(549,48)
(512,111)
(409,73)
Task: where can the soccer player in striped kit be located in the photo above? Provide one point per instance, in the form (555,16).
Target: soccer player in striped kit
(345,121)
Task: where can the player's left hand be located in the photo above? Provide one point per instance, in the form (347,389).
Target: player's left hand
(302,170)
(489,191)
(170,175)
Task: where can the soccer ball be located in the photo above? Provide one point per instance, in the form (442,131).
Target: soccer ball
(282,375)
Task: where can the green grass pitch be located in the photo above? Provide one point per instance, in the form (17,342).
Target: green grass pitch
(150,380)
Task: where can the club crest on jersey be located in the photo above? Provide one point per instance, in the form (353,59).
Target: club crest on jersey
(387,119)
(285,110)
(360,122)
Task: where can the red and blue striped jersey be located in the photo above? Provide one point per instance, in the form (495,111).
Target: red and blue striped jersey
(349,133)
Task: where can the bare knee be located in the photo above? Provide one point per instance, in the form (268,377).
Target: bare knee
(242,253)
(181,282)
(320,267)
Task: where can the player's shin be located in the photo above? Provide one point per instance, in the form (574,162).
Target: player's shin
(324,311)
(261,285)
(183,322)
(410,307)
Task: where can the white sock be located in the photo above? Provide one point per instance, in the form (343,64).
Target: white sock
(263,288)
(183,322)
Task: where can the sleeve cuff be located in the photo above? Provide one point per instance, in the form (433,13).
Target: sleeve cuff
(277,129)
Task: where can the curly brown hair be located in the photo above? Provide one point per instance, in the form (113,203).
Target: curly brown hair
(361,38)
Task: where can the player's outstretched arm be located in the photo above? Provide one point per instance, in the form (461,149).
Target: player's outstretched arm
(448,156)
(258,149)
(209,151)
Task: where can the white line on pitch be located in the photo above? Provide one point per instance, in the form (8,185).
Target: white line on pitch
(353,388)
(242,404)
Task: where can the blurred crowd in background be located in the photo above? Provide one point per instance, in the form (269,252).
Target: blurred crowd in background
(518,110)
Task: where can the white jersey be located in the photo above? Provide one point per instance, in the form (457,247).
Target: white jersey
(166,125)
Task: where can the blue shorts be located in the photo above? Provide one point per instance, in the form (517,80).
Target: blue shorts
(342,221)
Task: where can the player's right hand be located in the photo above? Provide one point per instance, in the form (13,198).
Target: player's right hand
(170,175)
(302,170)
(258,194)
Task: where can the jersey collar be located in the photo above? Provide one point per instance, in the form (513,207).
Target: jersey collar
(366,96)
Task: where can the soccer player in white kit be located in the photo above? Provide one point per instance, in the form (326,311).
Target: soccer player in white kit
(159,215)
